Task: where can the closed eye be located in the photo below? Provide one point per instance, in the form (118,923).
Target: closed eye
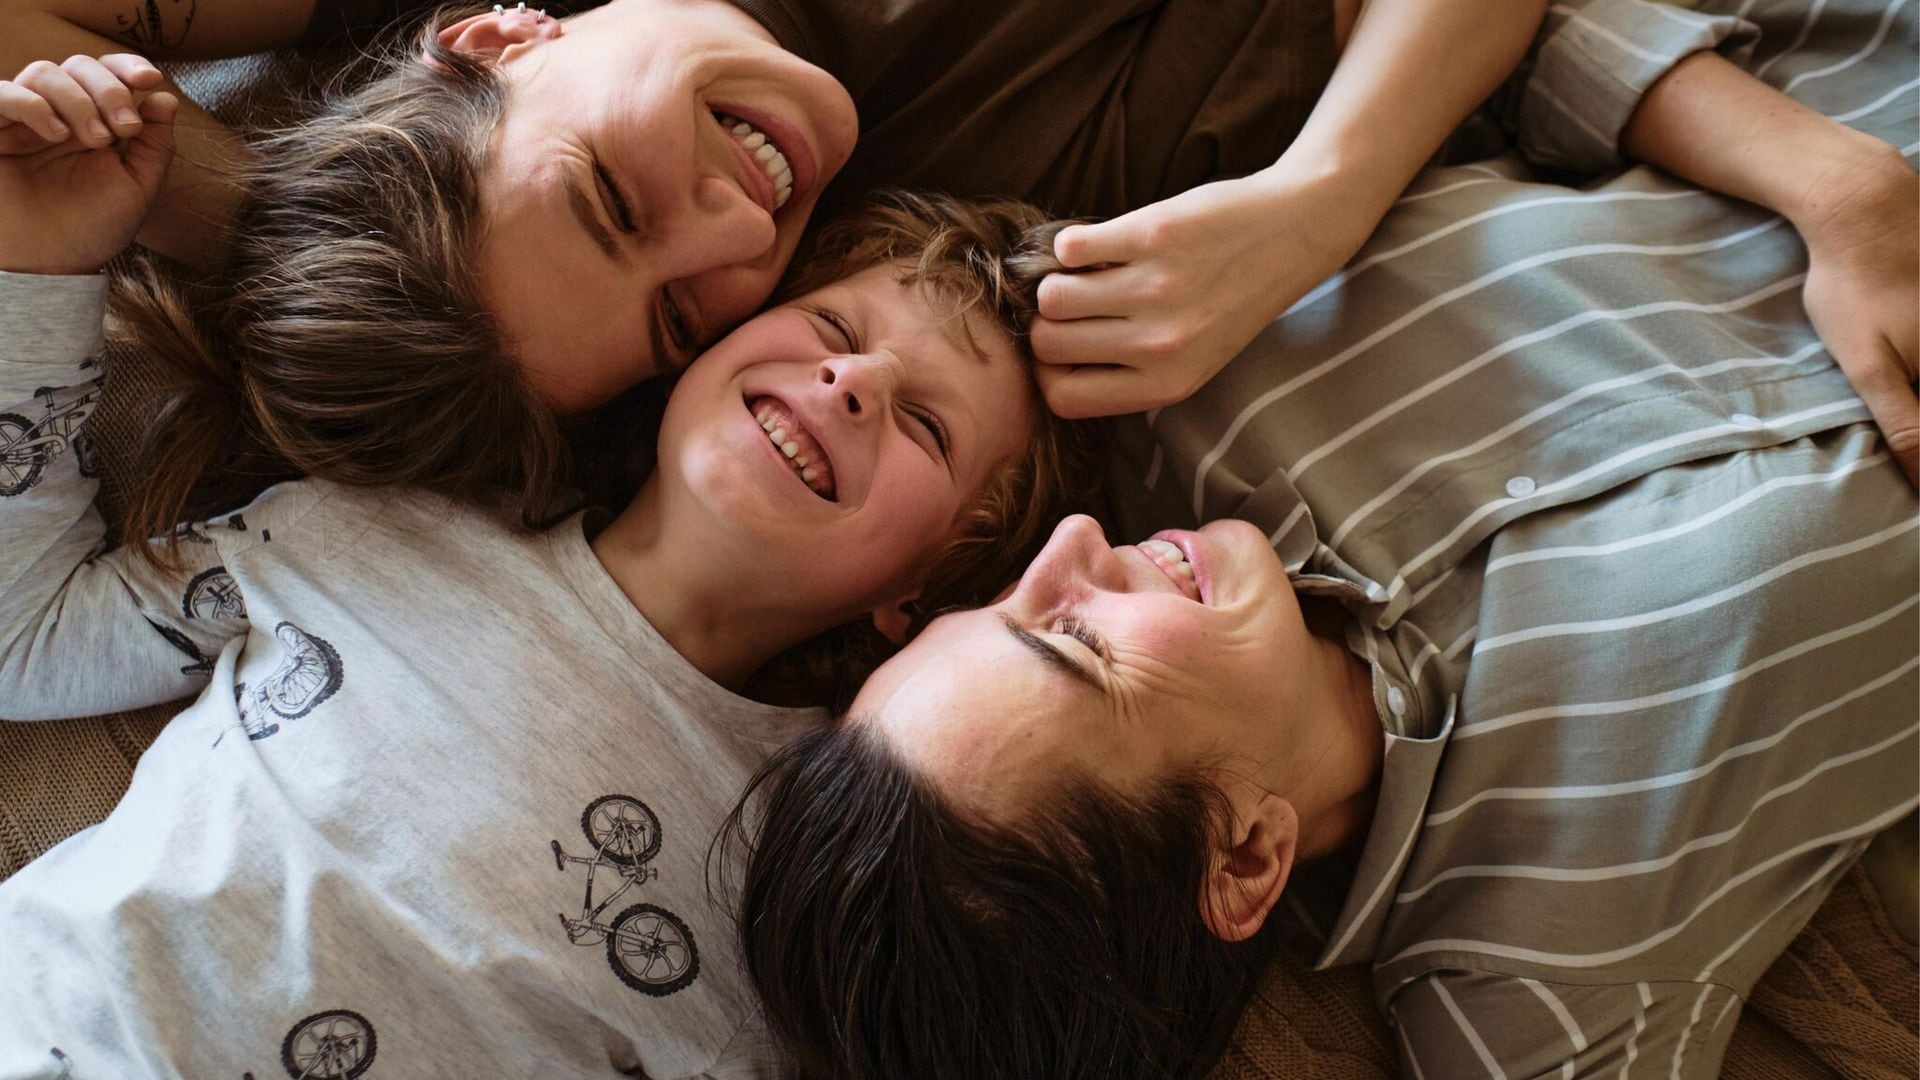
(1085,635)
(610,192)
(934,427)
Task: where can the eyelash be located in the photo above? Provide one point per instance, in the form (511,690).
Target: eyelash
(678,332)
(926,419)
(1082,633)
(622,216)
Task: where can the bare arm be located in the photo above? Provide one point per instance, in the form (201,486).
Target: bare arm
(1852,197)
(1175,289)
(197,202)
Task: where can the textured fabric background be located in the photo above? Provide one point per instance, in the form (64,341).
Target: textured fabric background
(1841,1003)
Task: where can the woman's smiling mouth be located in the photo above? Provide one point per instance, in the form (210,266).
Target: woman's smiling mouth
(803,453)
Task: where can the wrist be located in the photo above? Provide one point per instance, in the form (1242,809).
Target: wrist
(1849,178)
(1348,198)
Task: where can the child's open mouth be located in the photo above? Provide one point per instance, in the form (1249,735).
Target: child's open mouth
(802,451)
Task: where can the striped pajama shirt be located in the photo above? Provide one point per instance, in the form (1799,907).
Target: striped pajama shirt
(1632,566)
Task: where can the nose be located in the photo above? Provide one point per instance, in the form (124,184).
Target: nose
(718,226)
(1076,555)
(863,386)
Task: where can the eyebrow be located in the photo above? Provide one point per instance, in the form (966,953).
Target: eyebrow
(583,210)
(1051,655)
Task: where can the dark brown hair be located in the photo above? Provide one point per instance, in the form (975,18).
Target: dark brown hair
(983,256)
(890,935)
(347,338)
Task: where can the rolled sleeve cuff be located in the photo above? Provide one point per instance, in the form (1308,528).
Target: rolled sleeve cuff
(1593,63)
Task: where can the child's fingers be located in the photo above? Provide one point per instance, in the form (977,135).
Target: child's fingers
(20,106)
(111,97)
(69,99)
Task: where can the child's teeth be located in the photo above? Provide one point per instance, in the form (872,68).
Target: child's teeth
(778,434)
(803,461)
(790,448)
(809,475)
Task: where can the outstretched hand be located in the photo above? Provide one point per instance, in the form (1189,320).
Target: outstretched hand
(1863,278)
(1166,295)
(82,152)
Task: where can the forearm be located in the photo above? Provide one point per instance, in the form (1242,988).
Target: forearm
(1712,124)
(1410,72)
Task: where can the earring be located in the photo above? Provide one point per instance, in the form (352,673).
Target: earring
(499,9)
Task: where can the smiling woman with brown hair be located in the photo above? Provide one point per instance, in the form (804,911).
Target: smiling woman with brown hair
(581,203)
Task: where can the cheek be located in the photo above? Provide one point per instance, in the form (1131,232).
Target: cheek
(910,514)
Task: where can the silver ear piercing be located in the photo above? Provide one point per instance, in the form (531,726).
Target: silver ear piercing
(499,9)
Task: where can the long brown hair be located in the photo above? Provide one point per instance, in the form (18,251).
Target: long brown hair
(348,337)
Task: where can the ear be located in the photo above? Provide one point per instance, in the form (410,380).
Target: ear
(499,34)
(1250,867)
(893,619)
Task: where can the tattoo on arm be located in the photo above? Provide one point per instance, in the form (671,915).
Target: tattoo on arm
(156,24)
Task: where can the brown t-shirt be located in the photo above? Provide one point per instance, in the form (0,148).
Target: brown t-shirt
(1086,107)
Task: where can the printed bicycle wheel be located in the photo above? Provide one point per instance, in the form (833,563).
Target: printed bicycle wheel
(652,950)
(622,829)
(332,1045)
(19,467)
(308,676)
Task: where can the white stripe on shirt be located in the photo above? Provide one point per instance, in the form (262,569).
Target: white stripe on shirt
(1805,28)
(1616,871)
(1666,697)
(1600,468)
(1473,1037)
(1610,956)
(1652,783)
(1698,603)
(1879,35)
(1745,498)
(1559,405)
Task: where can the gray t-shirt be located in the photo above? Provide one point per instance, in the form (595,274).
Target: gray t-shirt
(442,808)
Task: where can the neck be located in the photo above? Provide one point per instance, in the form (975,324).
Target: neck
(1335,795)
(723,626)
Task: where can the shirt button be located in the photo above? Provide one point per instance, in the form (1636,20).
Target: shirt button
(1397,700)
(1520,487)
(1747,420)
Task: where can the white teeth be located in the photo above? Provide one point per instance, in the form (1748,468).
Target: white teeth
(779,435)
(1165,549)
(809,475)
(766,153)
(803,461)
(789,448)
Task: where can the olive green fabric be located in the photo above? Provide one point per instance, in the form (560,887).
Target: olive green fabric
(1086,107)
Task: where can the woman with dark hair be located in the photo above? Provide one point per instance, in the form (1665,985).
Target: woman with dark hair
(1574,629)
